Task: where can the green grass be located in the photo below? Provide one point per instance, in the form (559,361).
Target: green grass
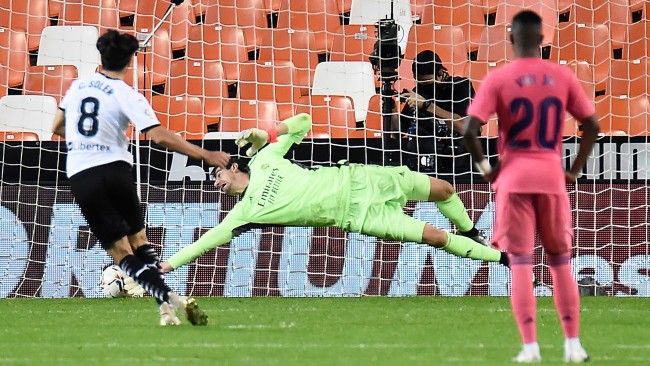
(323,331)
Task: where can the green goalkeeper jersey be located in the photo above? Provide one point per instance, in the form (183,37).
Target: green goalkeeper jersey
(280,193)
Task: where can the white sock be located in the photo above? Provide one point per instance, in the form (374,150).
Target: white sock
(572,343)
(531,347)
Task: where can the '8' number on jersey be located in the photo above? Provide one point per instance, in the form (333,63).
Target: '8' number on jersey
(88,124)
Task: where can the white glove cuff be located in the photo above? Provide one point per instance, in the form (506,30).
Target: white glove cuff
(484,167)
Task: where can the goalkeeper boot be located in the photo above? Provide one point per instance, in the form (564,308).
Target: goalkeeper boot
(188,306)
(168,315)
(528,355)
(477,236)
(574,353)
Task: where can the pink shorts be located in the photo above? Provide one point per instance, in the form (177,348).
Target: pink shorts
(518,215)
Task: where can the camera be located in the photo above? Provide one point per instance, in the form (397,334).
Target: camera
(386,55)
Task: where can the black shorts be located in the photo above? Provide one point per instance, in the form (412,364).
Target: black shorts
(109,201)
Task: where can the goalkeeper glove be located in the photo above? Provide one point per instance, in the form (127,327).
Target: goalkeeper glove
(132,288)
(254,136)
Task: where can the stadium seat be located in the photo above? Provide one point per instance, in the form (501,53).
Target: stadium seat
(51,80)
(102,13)
(201,6)
(495,44)
(623,115)
(353,79)
(149,13)
(218,43)
(583,42)
(157,58)
(54,8)
(295,46)
(320,17)
(28,113)
(476,71)
(353,43)
(639,40)
(266,81)
(29,16)
(239,115)
(445,40)
(202,79)
(248,15)
(13,56)
(331,116)
(18,136)
(374,120)
(70,45)
(127,8)
(547,9)
(629,77)
(180,114)
(467,14)
(613,13)
(419,8)
(4,88)
(365,12)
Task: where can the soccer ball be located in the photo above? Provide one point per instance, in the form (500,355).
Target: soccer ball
(113,282)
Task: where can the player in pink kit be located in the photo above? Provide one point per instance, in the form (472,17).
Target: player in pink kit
(530,97)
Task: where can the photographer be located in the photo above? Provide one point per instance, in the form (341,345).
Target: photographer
(434,112)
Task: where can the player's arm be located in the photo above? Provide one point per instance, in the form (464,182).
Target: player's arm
(58,125)
(582,108)
(280,137)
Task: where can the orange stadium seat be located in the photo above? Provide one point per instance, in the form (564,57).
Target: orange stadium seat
(218,43)
(613,13)
(157,58)
(629,77)
(467,14)
(200,6)
(374,119)
(180,114)
(203,79)
(623,115)
(320,17)
(3,81)
(547,9)
(585,75)
(295,46)
(54,8)
(53,81)
(248,15)
(639,40)
(149,13)
(102,13)
(343,6)
(30,16)
(495,44)
(447,41)
(581,42)
(18,136)
(353,43)
(239,115)
(332,116)
(14,55)
(476,71)
(266,81)
(419,7)
(127,8)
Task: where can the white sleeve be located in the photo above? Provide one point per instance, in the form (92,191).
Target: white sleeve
(136,107)
(66,99)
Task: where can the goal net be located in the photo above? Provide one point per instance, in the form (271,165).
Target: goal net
(216,67)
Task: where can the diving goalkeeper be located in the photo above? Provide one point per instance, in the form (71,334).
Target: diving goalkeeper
(358,198)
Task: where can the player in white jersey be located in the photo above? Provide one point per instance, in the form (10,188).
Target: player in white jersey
(93,118)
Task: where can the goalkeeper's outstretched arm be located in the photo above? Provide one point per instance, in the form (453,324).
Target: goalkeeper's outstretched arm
(281,137)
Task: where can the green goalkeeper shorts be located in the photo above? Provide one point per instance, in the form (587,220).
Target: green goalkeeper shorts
(377,199)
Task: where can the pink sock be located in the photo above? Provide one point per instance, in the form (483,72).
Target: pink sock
(523,300)
(565,292)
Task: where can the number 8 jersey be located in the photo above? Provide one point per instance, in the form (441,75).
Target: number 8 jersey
(97,114)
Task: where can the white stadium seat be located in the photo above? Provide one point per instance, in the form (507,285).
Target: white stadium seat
(28,113)
(370,11)
(70,45)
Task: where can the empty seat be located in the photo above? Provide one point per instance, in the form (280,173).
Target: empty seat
(201,6)
(29,16)
(495,44)
(180,114)
(615,14)
(54,8)
(445,40)
(332,116)
(53,81)
(268,81)
(476,71)
(467,14)
(547,9)
(13,56)
(371,11)
(584,42)
(239,115)
(157,58)
(419,8)
(629,77)
(150,12)
(620,114)
(374,119)
(353,79)
(353,43)
(101,13)
(220,43)
(296,46)
(320,17)
(8,136)
(248,15)
(70,45)
(28,113)
(639,40)
(585,75)
(202,79)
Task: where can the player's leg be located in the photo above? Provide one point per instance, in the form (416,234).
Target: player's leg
(556,232)
(515,232)
(430,189)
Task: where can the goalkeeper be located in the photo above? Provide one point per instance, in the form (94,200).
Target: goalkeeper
(356,198)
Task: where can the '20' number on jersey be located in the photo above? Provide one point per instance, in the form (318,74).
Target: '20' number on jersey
(548,103)
(88,124)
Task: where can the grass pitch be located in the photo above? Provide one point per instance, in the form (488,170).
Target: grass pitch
(322,331)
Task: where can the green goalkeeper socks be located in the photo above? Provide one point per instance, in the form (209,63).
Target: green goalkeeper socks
(454,210)
(468,248)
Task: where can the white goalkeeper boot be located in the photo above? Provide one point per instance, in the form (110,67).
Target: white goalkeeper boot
(168,315)
(188,306)
(573,351)
(528,354)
